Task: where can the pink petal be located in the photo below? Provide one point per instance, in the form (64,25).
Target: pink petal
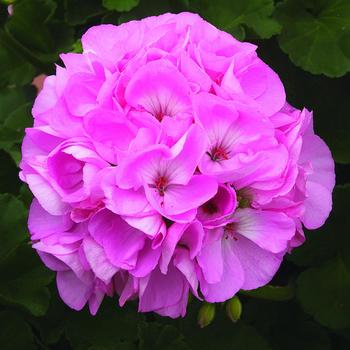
(151,224)
(183,218)
(125,202)
(187,266)
(232,277)
(259,265)
(110,130)
(270,230)
(46,98)
(95,301)
(81,92)
(162,290)
(320,183)
(142,167)
(159,88)
(192,238)
(211,261)
(117,41)
(52,262)
(46,195)
(318,205)
(92,42)
(176,310)
(194,73)
(270,95)
(41,223)
(215,114)
(128,290)
(314,150)
(98,261)
(172,237)
(222,204)
(147,260)
(188,152)
(179,199)
(72,290)
(120,241)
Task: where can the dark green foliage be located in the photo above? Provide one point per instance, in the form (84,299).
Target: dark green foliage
(12,224)
(308,304)
(15,333)
(235,16)
(120,5)
(315,34)
(110,329)
(324,293)
(154,336)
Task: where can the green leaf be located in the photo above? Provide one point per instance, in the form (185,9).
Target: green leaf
(36,34)
(77,47)
(117,18)
(20,119)
(240,336)
(154,336)
(112,328)
(331,98)
(12,131)
(12,98)
(148,8)
(234,16)
(25,195)
(51,326)
(285,325)
(120,5)
(324,292)
(23,281)
(27,24)
(9,180)
(15,116)
(15,69)
(15,333)
(12,224)
(3,13)
(79,11)
(312,34)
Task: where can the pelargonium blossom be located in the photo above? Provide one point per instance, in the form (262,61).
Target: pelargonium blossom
(165,161)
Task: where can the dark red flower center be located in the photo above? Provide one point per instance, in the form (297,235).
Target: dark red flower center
(230,231)
(161,184)
(218,153)
(159,115)
(210,207)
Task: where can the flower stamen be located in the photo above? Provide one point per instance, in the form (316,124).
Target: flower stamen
(230,231)
(161,184)
(218,153)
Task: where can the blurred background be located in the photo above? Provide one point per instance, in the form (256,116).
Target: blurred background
(307,305)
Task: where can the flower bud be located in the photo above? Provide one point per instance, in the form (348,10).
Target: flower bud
(234,309)
(206,314)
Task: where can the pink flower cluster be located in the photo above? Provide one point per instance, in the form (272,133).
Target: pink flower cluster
(165,160)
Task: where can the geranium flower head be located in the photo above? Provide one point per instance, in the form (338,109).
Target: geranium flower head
(164,160)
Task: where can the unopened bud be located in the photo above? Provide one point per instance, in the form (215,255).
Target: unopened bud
(206,314)
(234,309)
